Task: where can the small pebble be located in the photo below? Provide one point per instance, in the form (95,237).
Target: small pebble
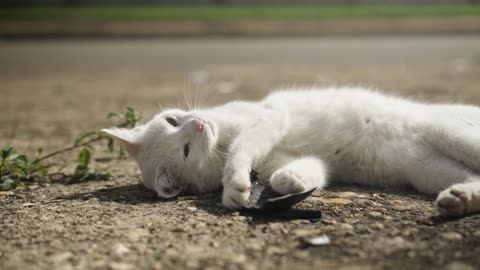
(28,204)
(318,241)
(349,194)
(451,236)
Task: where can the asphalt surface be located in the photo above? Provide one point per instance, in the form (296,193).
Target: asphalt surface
(63,56)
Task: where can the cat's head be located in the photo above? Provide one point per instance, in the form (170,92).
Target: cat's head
(175,152)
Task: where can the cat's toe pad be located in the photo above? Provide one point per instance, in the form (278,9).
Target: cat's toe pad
(454,201)
(286,181)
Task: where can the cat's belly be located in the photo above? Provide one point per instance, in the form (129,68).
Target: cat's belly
(376,161)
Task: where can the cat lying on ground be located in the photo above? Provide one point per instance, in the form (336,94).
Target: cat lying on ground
(297,139)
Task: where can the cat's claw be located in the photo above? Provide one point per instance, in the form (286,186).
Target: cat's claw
(287,181)
(455,201)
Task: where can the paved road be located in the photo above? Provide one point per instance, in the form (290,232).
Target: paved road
(179,54)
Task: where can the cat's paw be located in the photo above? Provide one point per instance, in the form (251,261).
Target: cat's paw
(455,201)
(236,190)
(287,181)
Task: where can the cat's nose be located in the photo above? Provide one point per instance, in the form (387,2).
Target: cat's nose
(199,124)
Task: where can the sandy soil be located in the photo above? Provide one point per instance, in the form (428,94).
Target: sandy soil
(119,224)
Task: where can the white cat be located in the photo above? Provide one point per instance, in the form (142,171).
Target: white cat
(301,138)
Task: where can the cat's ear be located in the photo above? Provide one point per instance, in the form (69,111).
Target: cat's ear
(129,139)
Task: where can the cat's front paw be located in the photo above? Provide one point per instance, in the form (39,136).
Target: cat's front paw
(287,181)
(236,190)
(455,201)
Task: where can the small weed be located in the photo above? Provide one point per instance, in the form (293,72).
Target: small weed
(16,168)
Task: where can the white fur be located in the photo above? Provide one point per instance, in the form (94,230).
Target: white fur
(300,138)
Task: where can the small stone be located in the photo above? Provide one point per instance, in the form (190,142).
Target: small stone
(300,221)
(318,241)
(305,232)
(459,266)
(192,209)
(476,234)
(254,245)
(348,195)
(62,257)
(328,221)
(120,249)
(34,187)
(333,201)
(451,236)
(28,204)
(378,226)
(375,214)
(135,234)
(6,193)
(276,251)
(171,252)
(425,221)
(409,232)
(401,208)
(236,258)
(346,226)
(192,264)
(119,266)
(399,241)
(301,254)
(239,218)
(275,226)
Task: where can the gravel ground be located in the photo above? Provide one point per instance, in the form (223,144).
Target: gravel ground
(119,224)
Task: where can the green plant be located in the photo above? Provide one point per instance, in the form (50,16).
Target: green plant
(16,168)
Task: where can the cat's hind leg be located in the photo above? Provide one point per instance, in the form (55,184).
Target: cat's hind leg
(460,199)
(299,175)
(454,130)
(457,186)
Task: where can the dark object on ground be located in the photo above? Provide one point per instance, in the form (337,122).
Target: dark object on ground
(264,199)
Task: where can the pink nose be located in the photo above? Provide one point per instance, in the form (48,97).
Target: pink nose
(199,124)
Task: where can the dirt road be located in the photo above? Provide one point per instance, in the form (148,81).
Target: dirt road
(51,90)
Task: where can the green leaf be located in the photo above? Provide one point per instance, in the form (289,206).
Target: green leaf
(9,184)
(104,176)
(39,168)
(84,157)
(39,151)
(22,171)
(84,135)
(110,145)
(121,153)
(22,158)
(12,157)
(6,151)
(127,119)
(113,114)
(79,175)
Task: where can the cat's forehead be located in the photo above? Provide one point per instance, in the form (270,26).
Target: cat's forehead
(171,112)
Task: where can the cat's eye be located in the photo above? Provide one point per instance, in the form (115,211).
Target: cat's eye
(172,121)
(186,150)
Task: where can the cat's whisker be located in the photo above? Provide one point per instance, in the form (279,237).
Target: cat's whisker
(187,95)
(207,97)
(160,106)
(195,97)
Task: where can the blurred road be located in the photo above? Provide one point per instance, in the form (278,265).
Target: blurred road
(179,54)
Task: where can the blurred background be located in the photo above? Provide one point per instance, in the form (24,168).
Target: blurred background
(66,63)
